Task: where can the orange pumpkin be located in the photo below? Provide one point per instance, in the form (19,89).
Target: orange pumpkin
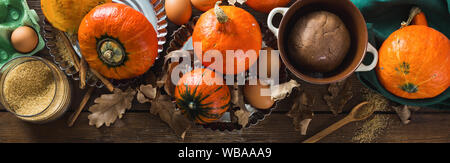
(202,96)
(118,41)
(414,62)
(266,5)
(203,5)
(228,28)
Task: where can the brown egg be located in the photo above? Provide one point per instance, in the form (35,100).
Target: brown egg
(265,59)
(252,94)
(24,39)
(178,11)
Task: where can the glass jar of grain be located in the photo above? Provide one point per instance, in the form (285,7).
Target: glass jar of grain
(34,89)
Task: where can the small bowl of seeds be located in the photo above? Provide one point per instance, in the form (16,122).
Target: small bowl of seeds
(34,89)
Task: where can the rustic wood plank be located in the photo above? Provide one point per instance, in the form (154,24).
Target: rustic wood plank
(138,126)
(143,127)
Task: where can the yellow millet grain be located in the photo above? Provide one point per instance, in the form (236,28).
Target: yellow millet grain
(29,88)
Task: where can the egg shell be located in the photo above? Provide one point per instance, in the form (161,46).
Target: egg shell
(178,11)
(24,39)
(252,95)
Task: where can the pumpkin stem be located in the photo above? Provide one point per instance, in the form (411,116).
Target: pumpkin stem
(220,14)
(111,52)
(108,54)
(191,105)
(414,11)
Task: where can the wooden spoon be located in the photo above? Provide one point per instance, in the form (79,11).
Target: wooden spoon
(349,118)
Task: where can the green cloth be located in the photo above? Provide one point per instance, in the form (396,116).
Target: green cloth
(384,17)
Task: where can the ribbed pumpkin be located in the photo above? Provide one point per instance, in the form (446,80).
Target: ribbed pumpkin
(228,28)
(118,41)
(202,96)
(414,62)
(266,5)
(66,15)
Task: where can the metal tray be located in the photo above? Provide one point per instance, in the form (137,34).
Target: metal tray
(152,9)
(181,39)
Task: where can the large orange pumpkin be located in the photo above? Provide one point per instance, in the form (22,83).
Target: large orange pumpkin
(228,28)
(266,5)
(118,41)
(414,62)
(202,96)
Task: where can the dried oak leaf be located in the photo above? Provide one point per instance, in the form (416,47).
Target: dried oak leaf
(237,96)
(108,107)
(233,2)
(279,92)
(237,100)
(242,115)
(163,107)
(404,113)
(146,93)
(301,113)
(172,61)
(339,94)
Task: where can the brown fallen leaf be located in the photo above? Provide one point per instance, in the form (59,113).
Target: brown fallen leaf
(163,107)
(108,107)
(301,113)
(172,61)
(237,100)
(339,94)
(279,92)
(243,116)
(404,112)
(169,85)
(237,96)
(146,93)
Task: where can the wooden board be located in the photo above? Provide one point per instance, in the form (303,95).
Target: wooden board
(139,126)
(143,127)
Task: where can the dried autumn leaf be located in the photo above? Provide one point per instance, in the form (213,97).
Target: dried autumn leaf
(233,2)
(339,94)
(140,97)
(243,115)
(110,106)
(172,61)
(237,97)
(279,92)
(404,113)
(146,93)
(237,100)
(163,107)
(301,113)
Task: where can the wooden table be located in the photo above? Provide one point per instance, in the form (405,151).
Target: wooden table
(138,125)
